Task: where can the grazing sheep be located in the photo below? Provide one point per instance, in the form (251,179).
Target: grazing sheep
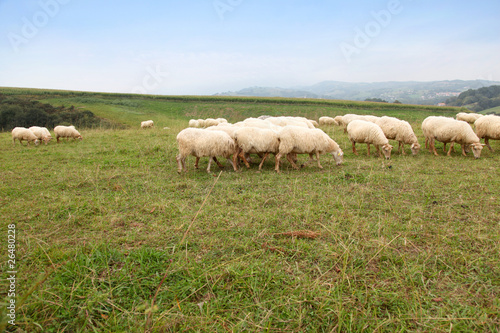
(42,133)
(399,130)
(347,118)
(254,140)
(362,131)
(147,124)
(22,133)
(194,123)
(66,132)
(300,140)
(488,127)
(290,121)
(468,117)
(314,122)
(450,130)
(201,143)
(210,122)
(327,121)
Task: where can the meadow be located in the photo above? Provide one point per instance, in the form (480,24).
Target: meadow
(109,238)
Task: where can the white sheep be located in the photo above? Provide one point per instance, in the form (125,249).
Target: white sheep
(194,123)
(327,121)
(66,132)
(362,131)
(254,140)
(201,143)
(449,130)
(347,118)
(468,117)
(42,133)
(401,131)
(290,121)
(314,122)
(488,127)
(210,122)
(300,140)
(147,124)
(22,133)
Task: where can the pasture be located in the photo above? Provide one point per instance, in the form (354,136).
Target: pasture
(109,238)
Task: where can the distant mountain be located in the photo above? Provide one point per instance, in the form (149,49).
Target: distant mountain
(411,92)
(478,100)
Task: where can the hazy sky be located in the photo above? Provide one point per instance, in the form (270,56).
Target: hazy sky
(209,46)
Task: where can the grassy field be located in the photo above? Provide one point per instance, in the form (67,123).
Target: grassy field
(109,238)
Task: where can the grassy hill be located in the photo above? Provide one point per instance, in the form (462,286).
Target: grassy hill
(108,237)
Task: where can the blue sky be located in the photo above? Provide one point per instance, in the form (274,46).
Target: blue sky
(209,46)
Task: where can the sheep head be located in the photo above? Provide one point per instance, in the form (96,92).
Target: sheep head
(338,156)
(476,148)
(386,150)
(415,147)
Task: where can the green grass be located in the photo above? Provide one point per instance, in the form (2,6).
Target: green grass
(406,245)
(492,110)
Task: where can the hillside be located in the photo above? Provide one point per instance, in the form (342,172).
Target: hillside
(426,93)
(110,238)
(477,100)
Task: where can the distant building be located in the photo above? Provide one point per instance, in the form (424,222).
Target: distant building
(441,104)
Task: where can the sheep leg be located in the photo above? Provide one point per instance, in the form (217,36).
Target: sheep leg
(218,163)
(289,158)
(378,151)
(179,163)
(402,147)
(368,146)
(354,148)
(196,162)
(463,150)
(277,162)
(432,146)
(487,142)
(242,156)
(263,159)
(235,161)
(449,151)
(209,163)
(426,143)
(317,158)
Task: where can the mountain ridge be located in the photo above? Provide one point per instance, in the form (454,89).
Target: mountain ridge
(411,92)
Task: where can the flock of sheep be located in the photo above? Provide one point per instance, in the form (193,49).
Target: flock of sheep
(290,136)
(38,134)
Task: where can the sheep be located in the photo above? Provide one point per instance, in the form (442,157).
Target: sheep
(401,131)
(253,140)
(314,122)
(299,140)
(327,121)
(147,124)
(42,133)
(347,118)
(210,122)
(468,117)
(450,130)
(293,121)
(22,133)
(201,143)
(66,132)
(363,131)
(488,127)
(194,123)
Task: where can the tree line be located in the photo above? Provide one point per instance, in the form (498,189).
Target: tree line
(477,99)
(23,112)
